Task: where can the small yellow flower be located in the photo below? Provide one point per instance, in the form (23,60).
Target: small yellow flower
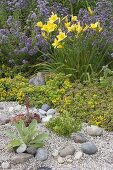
(61,36)
(60,46)
(96,26)
(73,18)
(90,11)
(44,35)
(39,24)
(53,18)
(56,43)
(85,28)
(67,24)
(79,28)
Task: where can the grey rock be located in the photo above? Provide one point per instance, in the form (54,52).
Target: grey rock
(78,155)
(45,107)
(61,160)
(68,150)
(94,130)
(42,112)
(4,119)
(89,148)
(1,108)
(5,165)
(21,158)
(22,148)
(78,137)
(31,150)
(46,119)
(37,80)
(51,112)
(42,154)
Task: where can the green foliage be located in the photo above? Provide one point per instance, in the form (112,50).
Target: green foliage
(27,135)
(79,57)
(52,93)
(64,124)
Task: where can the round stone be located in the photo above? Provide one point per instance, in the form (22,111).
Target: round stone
(42,154)
(5,165)
(31,150)
(55,153)
(68,150)
(94,130)
(45,107)
(89,148)
(18,107)
(51,112)
(79,138)
(61,160)
(78,155)
(46,119)
(22,148)
(42,112)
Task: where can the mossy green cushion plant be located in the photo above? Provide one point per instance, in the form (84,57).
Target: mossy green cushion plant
(26,135)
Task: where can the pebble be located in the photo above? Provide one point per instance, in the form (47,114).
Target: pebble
(5,165)
(68,150)
(22,148)
(78,137)
(78,155)
(1,108)
(46,119)
(21,158)
(55,153)
(45,107)
(18,107)
(42,112)
(42,154)
(31,150)
(61,160)
(94,130)
(11,109)
(68,159)
(4,119)
(51,112)
(89,148)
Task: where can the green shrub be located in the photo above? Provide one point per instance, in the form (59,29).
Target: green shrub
(64,124)
(26,135)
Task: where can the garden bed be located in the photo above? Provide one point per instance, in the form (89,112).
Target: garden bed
(102,160)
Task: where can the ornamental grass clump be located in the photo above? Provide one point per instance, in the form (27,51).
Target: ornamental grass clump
(70,51)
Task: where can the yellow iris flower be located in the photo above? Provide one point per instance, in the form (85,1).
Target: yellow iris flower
(56,44)
(39,24)
(67,24)
(96,26)
(49,27)
(79,28)
(61,36)
(53,18)
(73,18)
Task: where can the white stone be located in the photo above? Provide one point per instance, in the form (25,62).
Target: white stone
(61,160)
(55,153)
(46,119)
(94,130)
(22,148)
(5,165)
(11,109)
(78,155)
(51,112)
(18,107)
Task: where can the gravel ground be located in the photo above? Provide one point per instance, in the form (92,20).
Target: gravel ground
(102,160)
